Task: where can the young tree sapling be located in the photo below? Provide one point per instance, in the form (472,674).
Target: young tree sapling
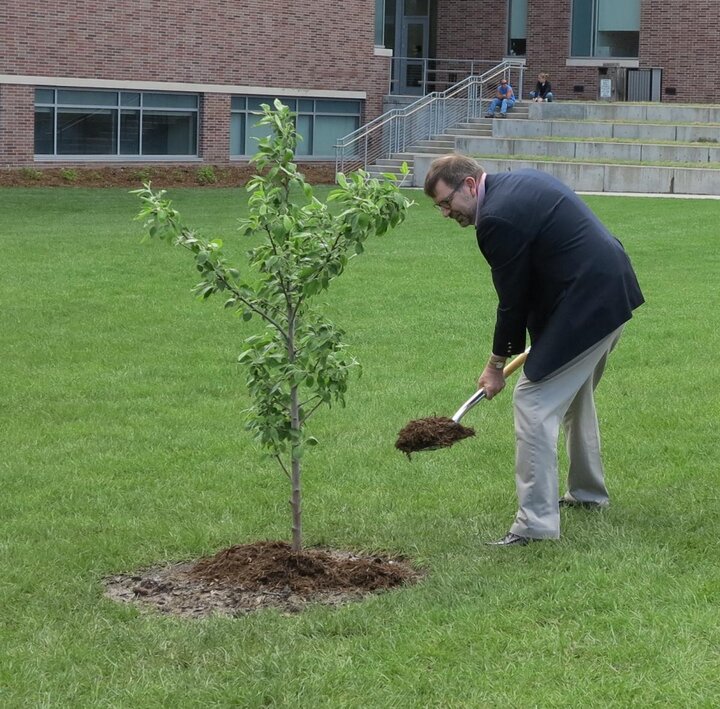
(298,362)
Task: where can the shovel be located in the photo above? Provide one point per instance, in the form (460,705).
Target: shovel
(438,432)
(479,395)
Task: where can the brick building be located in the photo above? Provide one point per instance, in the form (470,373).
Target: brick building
(130,82)
(578,42)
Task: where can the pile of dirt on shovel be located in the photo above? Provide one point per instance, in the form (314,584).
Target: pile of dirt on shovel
(430,433)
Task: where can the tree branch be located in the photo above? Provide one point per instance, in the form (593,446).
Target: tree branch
(221,277)
(282,465)
(283,285)
(312,411)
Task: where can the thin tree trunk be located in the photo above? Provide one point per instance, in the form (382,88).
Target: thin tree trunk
(295,502)
(295,468)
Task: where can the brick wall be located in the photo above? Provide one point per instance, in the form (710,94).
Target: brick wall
(472,29)
(17,125)
(479,30)
(215,128)
(308,44)
(319,44)
(683,39)
(548,46)
(312,45)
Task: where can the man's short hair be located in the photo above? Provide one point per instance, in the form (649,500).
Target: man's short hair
(452,170)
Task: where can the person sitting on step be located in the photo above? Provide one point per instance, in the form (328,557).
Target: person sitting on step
(543,89)
(504,99)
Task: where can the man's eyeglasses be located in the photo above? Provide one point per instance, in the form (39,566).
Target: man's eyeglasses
(447,202)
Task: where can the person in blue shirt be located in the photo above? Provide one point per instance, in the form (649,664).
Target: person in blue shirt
(504,99)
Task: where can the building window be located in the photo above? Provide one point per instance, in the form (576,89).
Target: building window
(74,122)
(379,23)
(320,122)
(389,25)
(517,27)
(605,28)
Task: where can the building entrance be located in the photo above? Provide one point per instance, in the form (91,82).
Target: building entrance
(410,20)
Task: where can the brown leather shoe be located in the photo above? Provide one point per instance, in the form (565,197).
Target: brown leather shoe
(511,539)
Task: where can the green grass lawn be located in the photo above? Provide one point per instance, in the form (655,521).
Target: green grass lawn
(123,446)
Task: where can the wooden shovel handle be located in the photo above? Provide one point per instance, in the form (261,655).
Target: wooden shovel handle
(518,362)
(479,395)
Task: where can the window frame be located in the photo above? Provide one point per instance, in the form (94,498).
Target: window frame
(318,111)
(509,47)
(595,10)
(120,106)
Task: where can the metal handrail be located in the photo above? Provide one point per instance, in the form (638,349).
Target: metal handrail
(431,73)
(400,128)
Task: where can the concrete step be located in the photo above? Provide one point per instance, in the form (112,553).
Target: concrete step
(437,141)
(434,149)
(393,162)
(469,131)
(655,112)
(673,154)
(509,115)
(599,177)
(482,131)
(403,156)
(562,138)
(476,123)
(515,111)
(608,130)
(404,180)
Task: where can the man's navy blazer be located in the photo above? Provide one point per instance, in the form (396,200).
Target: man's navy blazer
(559,274)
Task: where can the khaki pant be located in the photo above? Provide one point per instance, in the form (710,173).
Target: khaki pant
(565,397)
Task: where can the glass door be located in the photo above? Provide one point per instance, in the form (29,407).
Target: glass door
(414,52)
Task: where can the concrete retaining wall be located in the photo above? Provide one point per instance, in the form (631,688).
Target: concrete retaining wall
(669,133)
(589,177)
(588,150)
(648,132)
(652,112)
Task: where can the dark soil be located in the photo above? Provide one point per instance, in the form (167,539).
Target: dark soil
(431,433)
(133,176)
(249,577)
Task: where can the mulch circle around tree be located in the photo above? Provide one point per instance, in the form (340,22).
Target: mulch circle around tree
(430,433)
(250,577)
